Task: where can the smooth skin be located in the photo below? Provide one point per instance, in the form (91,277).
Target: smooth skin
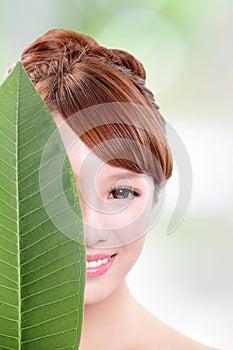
(116,205)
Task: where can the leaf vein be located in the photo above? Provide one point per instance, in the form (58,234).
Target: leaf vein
(48,335)
(48,275)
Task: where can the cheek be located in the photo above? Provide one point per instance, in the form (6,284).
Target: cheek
(129,213)
(127,226)
(130,253)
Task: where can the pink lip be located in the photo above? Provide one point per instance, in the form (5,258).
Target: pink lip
(99,270)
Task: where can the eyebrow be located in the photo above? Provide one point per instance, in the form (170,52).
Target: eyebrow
(124,175)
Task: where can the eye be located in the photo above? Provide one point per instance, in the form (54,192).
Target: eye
(124,192)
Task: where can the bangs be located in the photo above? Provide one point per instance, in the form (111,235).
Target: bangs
(121,135)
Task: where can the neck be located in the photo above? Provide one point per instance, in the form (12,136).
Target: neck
(101,325)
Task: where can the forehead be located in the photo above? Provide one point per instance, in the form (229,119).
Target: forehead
(83,160)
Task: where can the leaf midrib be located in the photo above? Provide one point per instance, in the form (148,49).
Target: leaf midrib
(17,200)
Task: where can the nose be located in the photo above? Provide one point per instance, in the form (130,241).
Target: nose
(95,230)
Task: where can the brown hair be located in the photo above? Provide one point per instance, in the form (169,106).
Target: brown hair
(104,91)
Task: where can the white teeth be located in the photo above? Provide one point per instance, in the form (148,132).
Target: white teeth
(92,264)
(100,262)
(95,263)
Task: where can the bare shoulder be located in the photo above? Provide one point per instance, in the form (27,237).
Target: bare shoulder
(155,335)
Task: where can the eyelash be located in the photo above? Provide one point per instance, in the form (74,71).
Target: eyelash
(130,190)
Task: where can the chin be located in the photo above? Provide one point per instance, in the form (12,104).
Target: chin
(96,292)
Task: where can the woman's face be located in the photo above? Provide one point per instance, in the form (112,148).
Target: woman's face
(116,206)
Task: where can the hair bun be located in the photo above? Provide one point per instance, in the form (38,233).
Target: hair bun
(57,43)
(118,58)
(59,46)
(127,60)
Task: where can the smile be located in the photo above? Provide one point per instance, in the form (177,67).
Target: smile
(98,264)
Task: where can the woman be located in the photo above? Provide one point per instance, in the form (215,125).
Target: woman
(120,159)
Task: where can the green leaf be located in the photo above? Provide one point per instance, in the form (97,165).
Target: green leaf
(42,255)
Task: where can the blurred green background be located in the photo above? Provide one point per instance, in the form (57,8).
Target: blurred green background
(185,278)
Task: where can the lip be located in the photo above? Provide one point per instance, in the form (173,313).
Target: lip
(99,270)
